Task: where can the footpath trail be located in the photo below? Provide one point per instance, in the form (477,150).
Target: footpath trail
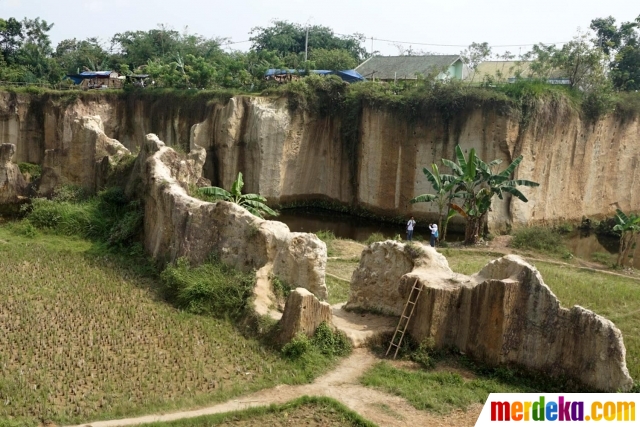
(340,384)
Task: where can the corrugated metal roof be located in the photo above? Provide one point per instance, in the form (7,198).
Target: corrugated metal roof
(404,67)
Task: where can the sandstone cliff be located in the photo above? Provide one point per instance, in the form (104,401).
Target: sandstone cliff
(505,314)
(294,156)
(13,187)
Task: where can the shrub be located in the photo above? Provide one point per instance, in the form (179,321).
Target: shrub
(422,354)
(212,288)
(280,288)
(375,237)
(330,342)
(325,341)
(298,346)
(326,236)
(29,168)
(538,238)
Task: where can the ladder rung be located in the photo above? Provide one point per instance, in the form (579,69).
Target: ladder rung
(412,302)
(405,317)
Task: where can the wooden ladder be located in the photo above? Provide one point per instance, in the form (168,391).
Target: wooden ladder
(404,318)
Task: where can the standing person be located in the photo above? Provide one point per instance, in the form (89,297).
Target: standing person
(410,225)
(434,234)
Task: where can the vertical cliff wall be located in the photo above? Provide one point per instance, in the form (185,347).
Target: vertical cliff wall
(585,168)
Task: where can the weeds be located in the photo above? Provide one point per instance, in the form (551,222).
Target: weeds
(328,238)
(212,288)
(325,341)
(538,238)
(33,170)
(375,237)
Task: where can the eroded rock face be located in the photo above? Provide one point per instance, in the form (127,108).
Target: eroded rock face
(12,184)
(503,315)
(82,158)
(377,282)
(177,225)
(303,313)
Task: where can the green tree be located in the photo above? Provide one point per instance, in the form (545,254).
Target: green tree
(288,39)
(333,59)
(477,184)
(254,203)
(629,227)
(622,45)
(444,187)
(474,55)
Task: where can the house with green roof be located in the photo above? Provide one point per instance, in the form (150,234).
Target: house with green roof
(392,68)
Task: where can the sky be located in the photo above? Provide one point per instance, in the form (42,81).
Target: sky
(422,23)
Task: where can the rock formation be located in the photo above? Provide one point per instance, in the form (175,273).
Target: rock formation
(178,225)
(12,184)
(503,315)
(303,313)
(82,157)
(294,156)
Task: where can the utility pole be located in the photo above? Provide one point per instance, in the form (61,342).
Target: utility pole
(306,44)
(371,45)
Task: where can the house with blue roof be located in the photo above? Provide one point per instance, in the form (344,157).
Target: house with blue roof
(98,79)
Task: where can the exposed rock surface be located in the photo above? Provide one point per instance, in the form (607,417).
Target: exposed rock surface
(178,225)
(377,282)
(295,156)
(505,314)
(82,158)
(12,184)
(303,313)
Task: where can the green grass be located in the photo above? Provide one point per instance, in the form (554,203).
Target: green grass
(538,238)
(439,392)
(338,290)
(89,338)
(302,411)
(328,238)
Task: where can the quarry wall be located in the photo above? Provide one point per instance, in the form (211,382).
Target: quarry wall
(584,168)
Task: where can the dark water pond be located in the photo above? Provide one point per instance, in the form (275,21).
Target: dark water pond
(589,246)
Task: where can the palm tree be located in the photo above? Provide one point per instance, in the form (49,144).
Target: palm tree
(478,184)
(444,186)
(629,227)
(254,203)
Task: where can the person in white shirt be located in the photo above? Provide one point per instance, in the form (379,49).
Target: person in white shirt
(434,234)
(410,225)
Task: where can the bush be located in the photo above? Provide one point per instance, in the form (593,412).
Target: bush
(29,168)
(325,341)
(375,237)
(281,289)
(538,238)
(212,288)
(326,236)
(109,217)
(330,342)
(298,346)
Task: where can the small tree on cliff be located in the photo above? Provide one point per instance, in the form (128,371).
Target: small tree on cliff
(254,203)
(444,187)
(477,185)
(629,227)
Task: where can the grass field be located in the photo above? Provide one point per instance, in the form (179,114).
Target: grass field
(307,411)
(83,335)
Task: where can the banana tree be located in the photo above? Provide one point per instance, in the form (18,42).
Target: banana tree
(629,227)
(254,203)
(478,184)
(444,186)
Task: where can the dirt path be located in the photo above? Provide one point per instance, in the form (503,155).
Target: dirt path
(340,384)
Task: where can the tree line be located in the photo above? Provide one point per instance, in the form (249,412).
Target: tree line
(173,58)
(608,60)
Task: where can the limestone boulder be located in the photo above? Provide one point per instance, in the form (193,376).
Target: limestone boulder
(13,187)
(303,313)
(178,225)
(82,157)
(503,315)
(377,282)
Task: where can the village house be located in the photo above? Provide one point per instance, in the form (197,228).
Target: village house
(98,80)
(393,68)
